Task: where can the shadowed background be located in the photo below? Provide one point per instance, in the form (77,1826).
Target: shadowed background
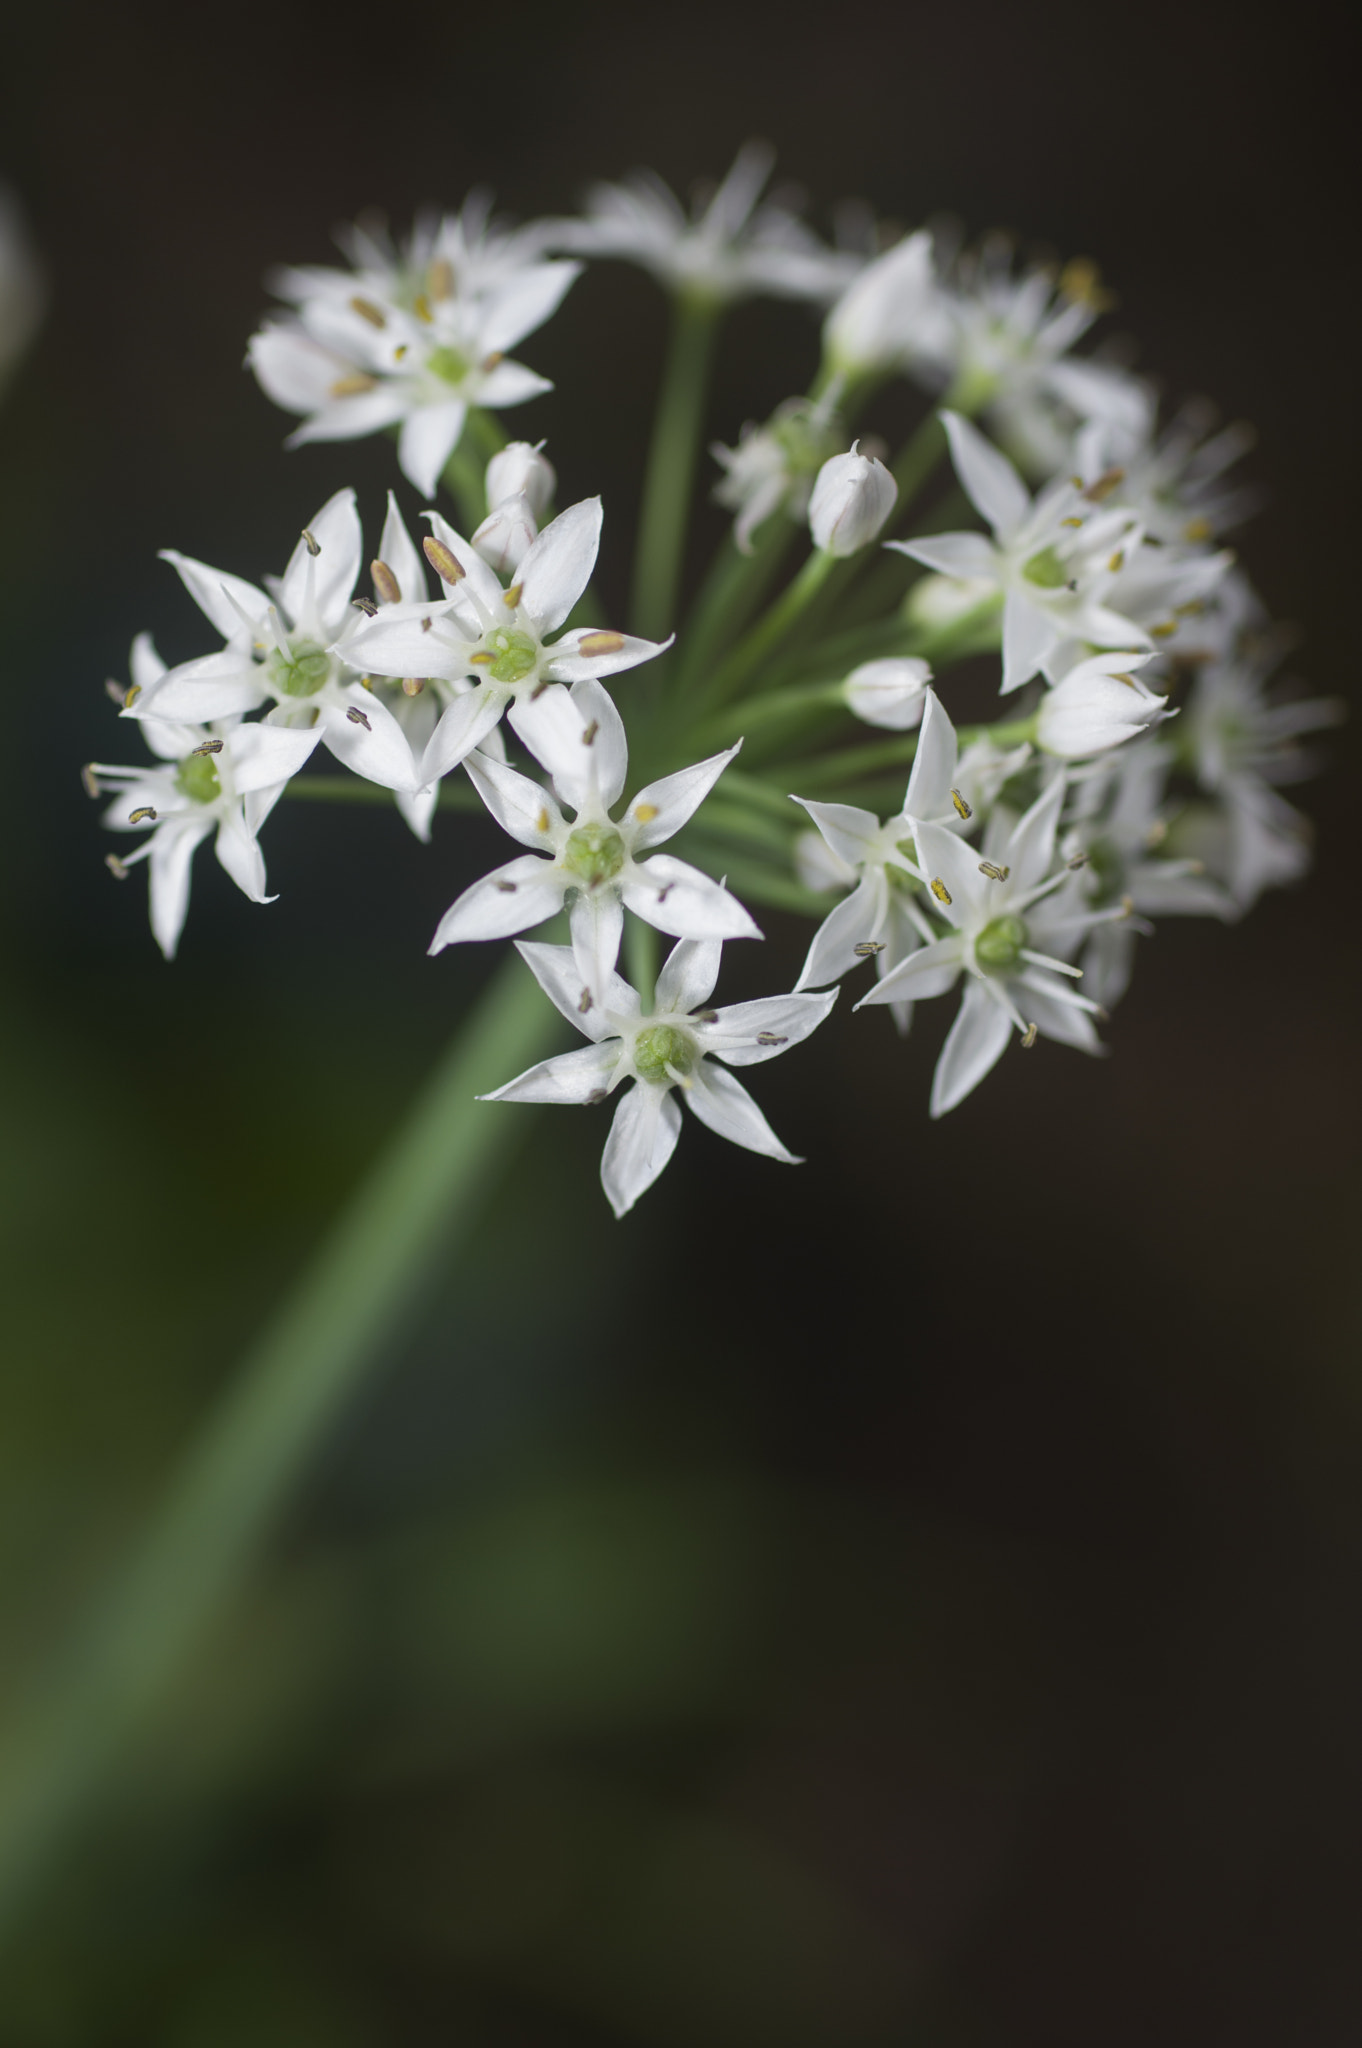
(910,1599)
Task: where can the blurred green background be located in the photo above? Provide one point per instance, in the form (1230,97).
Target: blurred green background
(909,1600)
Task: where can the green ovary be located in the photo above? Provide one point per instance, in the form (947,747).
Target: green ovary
(660,1047)
(301,671)
(198,779)
(1045,570)
(594,854)
(514,654)
(999,944)
(448,365)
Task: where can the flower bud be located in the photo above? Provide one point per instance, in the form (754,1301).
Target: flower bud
(1097,705)
(520,470)
(888,692)
(889,314)
(852,498)
(505,534)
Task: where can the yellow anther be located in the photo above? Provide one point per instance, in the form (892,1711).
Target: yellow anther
(645,813)
(1191,610)
(1117,561)
(367,310)
(490,362)
(600,643)
(1081,281)
(401,352)
(358,717)
(1127,906)
(1119,676)
(1197,529)
(1071,522)
(868,948)
(352,386)
(962,809)
(511,598)
(1105,485)
(412,686)
(440,279)
(208,747)
(995,874)
(442,560)
(940,891)
(89,781)
(115,867)
(421,308)
(541,823)
(385,583)
(367,683)
(483,657)
(589,732)
(131,695)
(1165,630)
(145,811)
(1028,1037)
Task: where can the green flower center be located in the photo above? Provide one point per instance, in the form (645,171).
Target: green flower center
(999,944)
(448,364)
(594,854)
(660,1047)
(514,654)
(1045,570)
(301,671)
(197,778)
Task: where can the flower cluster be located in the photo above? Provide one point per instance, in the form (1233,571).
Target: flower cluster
(1135,775)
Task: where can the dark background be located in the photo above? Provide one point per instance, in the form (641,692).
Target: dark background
(912,1599)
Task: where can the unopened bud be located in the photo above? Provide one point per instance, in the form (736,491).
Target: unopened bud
(503,540)
(521,471)
(888,692)
(852,498)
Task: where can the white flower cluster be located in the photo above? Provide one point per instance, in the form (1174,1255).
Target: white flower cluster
(1139,776)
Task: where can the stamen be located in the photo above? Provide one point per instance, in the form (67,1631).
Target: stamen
(115,867)
(663,894)
(365,605)
(771,1038)
(490,362)
(426,625)
(590,732)
(866,949)
(645,813)
(131,695)
(440,279)
(537,692)
(940,891)
(421,308)
(401,352)
(442,560)
(1029,1037)
(704,1016)
(358,717)
(353,386)
(1197,529)
(541,823)
(367,683)
(118,692)
(600,643)
(508,888)
(963,810)
(367,310)
(1071,522)
(1080,860)
(1048,960)
(412,686)
(1165,630)
(1120,676)
(314,546)
(1127,907)
(511,598)
(145,811)
(89,780)
(598,1095)
(385,583)
(681,1080)
(1117,561)
(482,658)
(208,747)
(994,873)
(1104,486)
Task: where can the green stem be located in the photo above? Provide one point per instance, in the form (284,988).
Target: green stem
(730,593)
(424,1193)
(641,950)
(671,466)
(465,478)
(855,762)
(772,627)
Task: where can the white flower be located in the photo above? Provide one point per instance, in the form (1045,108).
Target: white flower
(1097,705)
(729,248)
(293,650)
(520,483)
(1175,480)
(674,1046)
(498,638)
(891,315)
(773,467)
(1052,559)
(882,915)
(221,777)
(889,692)
(852,497)
(1010,938)
(411,336)
(522,470)
(593,862)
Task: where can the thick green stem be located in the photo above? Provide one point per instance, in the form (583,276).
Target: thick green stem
(671,467)
(641,949)
(831,770)
(428,1187)
(772,627)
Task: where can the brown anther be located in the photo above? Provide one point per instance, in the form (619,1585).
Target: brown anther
(358,717)
(771,1038)
(440,279)
(89,781)
(421,307)
(663,894)
(208,747)
(1104,486)
(962,809)
(585,1004)
(1080,860)
(144,812)
(367,310)
(131,695)
(1029,1037)
(498,355)
(704,1016)
(940,891)
(115,867)
(442,560)
(589,732)
(386,585)
(537,692)
(994,873)
(365,605)
(866,949)
(600,643)
(1165,630)
(508,888)
(353,386)
(426,625)
(412,686)
(597,1095)
(311,542)
(511,598)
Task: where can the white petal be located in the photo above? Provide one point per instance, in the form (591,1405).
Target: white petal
(213,590)
(642,1139)
(263,755)
(719,1099)
(852,834)
(782,1021)
(607,752)
(946,858)
(688,974)
(934,764)
(597,925)
(418,808)
(373,743)
(675,798)
(555,969)
(318,587)
(854,922)
(571,1077)
(241,856)
(521,807)
(403,557)
(959,555)
(429,437)
(931,971)
(973,1047)
(558,567)
(524,303)
(220,686)
(565,662)
(414,640)
(1030,850)
(988,477)
(511,899)
(1029,638)
(510,384)
(464,725)
(679,899)
(1063,1021)
(292,369)
(169,862)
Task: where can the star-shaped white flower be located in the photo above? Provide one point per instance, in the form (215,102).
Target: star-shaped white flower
(593,863)
(1053,559)
(498,638)
(674,1046)
(222,777)
(730,247)
(1011,933)
(411,336)
(883,916)
(290,647)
